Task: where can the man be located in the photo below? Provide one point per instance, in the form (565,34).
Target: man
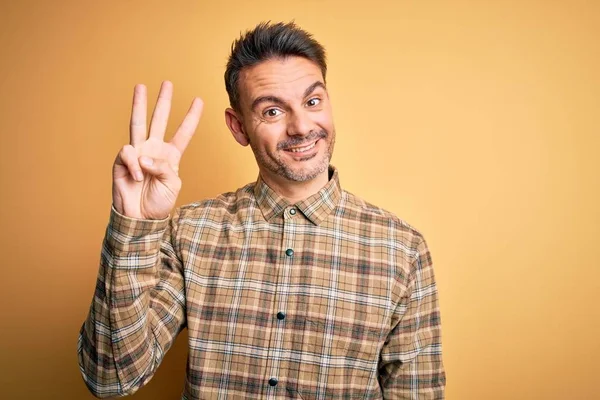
(290,287)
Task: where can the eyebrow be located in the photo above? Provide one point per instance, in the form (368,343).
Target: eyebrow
(313,87)
(266,99)
(280,102)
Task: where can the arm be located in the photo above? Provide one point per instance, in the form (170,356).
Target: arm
(138,306)
(411,360)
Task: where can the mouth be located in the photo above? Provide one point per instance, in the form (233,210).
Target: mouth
(300,150)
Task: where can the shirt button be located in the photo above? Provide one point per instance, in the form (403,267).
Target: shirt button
(273,381)
(289,252)
(280,315)
(293,211)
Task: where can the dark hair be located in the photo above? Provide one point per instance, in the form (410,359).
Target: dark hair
(267,41)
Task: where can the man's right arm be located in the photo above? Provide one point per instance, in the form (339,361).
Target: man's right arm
(138,306)
(139,303)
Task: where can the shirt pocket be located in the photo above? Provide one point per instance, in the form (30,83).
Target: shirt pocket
(339,359)
(343,339)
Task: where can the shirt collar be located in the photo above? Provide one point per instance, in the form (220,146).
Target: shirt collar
(316,207)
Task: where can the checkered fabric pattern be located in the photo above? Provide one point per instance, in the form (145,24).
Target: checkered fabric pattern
(328,298)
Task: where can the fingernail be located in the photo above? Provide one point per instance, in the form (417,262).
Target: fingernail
(139,176)
(147,161)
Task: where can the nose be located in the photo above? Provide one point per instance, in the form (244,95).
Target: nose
(300,124)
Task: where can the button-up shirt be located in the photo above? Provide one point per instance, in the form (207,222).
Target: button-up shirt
(327,298)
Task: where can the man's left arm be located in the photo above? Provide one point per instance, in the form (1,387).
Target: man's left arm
(411,360)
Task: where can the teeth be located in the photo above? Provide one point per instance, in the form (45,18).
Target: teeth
(301,149)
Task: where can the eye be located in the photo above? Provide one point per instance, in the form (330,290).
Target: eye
(272,113)
(313,102)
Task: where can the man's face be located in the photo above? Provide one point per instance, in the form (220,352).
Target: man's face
(286,118)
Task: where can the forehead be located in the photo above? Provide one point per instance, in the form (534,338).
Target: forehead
(284,77)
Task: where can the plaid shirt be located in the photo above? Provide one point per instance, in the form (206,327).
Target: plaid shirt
(328,298)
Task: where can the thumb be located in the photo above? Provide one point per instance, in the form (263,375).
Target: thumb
(158,168)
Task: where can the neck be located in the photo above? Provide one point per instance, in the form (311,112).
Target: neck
(293,191)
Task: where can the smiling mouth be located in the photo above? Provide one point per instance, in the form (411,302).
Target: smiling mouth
(303,148)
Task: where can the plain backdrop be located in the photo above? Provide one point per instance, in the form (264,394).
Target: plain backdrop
(474,121)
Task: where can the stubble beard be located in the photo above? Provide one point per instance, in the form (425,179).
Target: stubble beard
(278,166)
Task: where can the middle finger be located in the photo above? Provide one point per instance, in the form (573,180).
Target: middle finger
(160,116)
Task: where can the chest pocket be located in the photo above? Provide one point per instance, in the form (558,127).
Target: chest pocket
(339,359)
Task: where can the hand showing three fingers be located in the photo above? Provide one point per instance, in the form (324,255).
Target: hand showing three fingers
(145,173)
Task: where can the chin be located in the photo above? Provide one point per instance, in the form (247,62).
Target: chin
(304,174)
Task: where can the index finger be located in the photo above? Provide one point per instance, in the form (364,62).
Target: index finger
(137,125)
(188,126)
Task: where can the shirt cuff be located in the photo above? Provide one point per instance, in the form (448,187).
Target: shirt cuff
(133,234)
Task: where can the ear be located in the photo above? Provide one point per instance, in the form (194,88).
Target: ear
(234,123)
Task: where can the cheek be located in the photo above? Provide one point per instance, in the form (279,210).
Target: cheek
(267,136)
(325,120)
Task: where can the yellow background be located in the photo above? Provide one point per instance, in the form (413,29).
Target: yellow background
(475,121)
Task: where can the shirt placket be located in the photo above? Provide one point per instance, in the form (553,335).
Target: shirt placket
(279,312)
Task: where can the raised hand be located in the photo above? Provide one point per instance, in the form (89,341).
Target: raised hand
(145,173)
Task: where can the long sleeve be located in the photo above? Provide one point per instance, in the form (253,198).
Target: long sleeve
(411,360)
(138,306)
